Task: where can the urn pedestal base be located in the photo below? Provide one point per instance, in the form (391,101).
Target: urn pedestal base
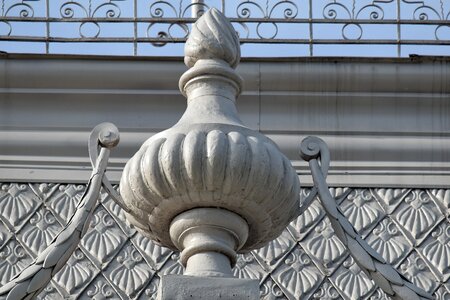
(208,239)
(178,287)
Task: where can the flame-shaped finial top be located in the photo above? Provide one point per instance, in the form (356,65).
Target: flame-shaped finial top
(212,37)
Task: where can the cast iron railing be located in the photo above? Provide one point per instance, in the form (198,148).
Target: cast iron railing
(310,27)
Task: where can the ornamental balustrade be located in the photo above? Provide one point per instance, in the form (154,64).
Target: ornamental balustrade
(310,28)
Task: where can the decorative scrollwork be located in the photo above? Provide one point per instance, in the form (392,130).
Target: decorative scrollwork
(22,10)
(286,9)
(165,9)
(267,30)
(34,278)
(160,22)
(167,32)
(365,256)
(351,30)
(335,10)
(378,22)
(70,10)
(108,10)
(372,12)
(200,7)
(101,289)
(289,9)
(175,30)
(425,13)
(269,290)
(244,10)
(90,29)
(157,9)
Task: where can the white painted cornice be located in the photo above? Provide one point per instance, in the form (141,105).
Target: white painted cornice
(387,121)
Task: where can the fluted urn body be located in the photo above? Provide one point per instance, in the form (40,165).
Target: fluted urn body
(209,159)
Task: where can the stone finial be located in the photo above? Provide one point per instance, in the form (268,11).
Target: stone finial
(212,37)
(210,164)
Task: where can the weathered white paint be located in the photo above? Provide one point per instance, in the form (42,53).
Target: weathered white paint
(386,121)
(209,158)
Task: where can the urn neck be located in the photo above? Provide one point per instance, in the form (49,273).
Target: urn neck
(211,87)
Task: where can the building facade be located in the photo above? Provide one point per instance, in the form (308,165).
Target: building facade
(385,120)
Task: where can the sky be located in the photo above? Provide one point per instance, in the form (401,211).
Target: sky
(352,10)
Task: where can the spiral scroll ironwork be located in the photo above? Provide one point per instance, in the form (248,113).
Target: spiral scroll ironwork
(167,32)
(107,10)
(337,10)
(22,10)
(398,26)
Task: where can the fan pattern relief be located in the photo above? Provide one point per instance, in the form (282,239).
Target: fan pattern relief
(410,228)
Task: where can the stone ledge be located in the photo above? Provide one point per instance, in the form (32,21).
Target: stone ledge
(177,287)
(387,123)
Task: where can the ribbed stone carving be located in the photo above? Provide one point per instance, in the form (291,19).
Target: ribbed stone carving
(209,159)
(212,37)
(226,166)
(258,264)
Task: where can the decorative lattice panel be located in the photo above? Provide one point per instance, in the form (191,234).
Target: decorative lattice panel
(409,227)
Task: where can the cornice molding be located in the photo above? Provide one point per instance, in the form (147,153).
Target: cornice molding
(387,123)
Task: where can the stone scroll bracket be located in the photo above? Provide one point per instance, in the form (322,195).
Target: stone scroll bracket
(316,153)
(34,278)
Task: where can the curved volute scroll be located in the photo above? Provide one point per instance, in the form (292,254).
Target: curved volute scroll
(316,153)
(34,278)
(210,159)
